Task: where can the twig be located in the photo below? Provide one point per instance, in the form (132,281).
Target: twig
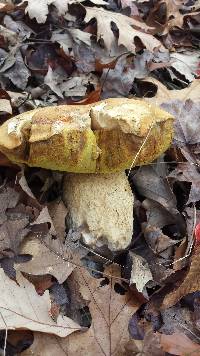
(141,147)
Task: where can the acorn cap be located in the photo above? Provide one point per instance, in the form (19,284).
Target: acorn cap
(104,137)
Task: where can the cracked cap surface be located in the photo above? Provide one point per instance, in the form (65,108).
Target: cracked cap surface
(103,137)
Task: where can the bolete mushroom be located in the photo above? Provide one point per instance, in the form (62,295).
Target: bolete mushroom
(100,140)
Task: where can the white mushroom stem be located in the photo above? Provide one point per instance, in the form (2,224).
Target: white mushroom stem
(102,206)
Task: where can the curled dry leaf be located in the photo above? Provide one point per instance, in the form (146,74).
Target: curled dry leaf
(22,308)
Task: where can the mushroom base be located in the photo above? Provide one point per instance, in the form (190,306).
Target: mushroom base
(101,208)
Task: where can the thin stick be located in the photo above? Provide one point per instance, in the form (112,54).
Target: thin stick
(140,149)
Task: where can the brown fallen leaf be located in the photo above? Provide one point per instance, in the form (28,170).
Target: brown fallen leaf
(124,23)
(190,284)
(109,330)
(173,15)
(51,345)
(22,308)
(47,258)
(46,345)
(40,11)
(179,344)
(110,313)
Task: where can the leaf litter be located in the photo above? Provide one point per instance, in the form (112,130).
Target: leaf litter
(144,299)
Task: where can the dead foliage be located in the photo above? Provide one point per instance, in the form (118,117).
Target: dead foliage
(58,296)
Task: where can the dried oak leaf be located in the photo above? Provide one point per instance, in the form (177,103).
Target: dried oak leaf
(172,11)
(173,16)
(189,285)
(127,33)
(22,308)
(48,257)
(110,314)
(50,345)
(40,10)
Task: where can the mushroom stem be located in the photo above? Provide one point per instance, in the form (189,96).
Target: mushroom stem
(101,206)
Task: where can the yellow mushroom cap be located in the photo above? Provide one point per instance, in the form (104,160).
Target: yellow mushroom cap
(103,137)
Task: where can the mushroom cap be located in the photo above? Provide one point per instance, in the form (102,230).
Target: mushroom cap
(104,137)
